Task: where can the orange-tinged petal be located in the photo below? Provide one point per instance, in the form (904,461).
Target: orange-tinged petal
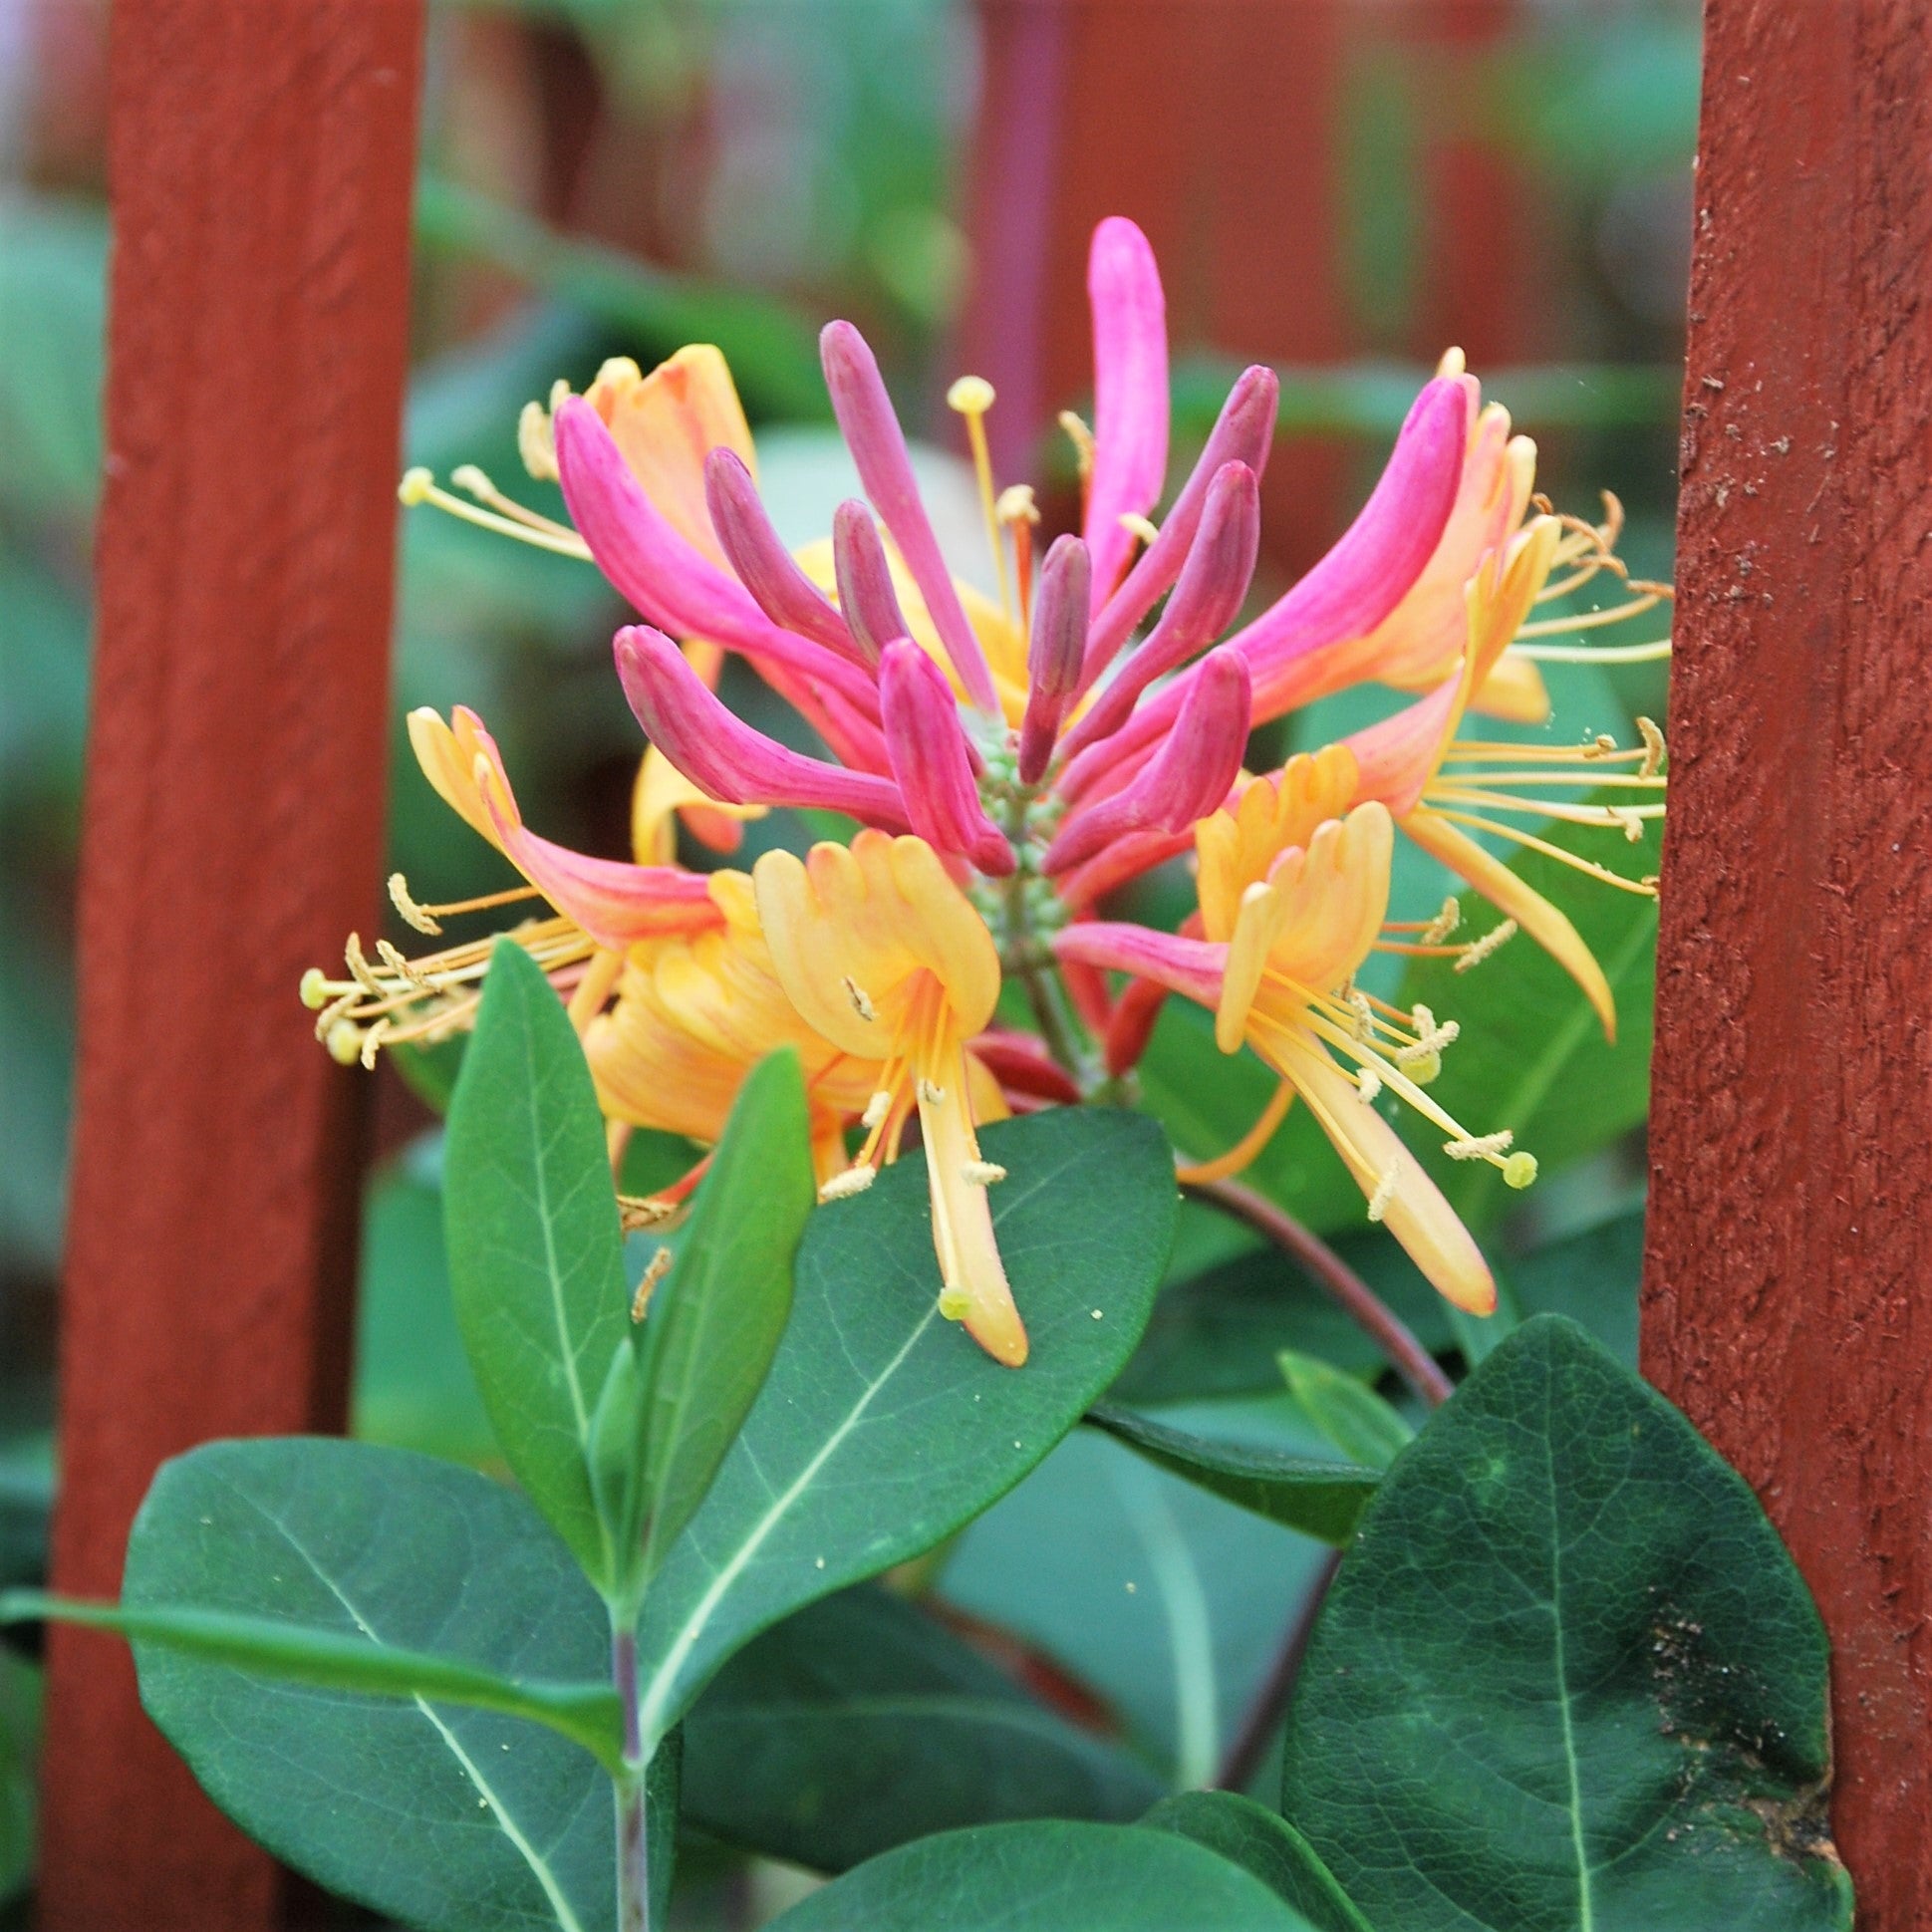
(447,754)
(1507,891)
(665,424)
(852,930)
(1514,690)
(1237,847)
(1334,897)
(1258,926)
(660,794)
(975,1290)
(1413,1207)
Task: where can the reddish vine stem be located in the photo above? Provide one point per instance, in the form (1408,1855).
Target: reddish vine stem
(1338,1281)
(1264,1709)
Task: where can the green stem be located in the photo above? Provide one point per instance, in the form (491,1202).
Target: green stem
(633,1836)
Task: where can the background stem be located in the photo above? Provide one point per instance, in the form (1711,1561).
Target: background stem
(632,1840)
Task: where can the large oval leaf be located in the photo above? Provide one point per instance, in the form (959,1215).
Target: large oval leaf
(1047,1878)
(1568,1676)
(863,1723)
(456,1820)
(882,1426)
(536,1263)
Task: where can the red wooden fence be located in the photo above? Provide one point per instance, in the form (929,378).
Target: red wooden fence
(261,160)
(1788,1285)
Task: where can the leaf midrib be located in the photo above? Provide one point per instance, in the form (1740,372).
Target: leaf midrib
(657,1692)
(560,1904)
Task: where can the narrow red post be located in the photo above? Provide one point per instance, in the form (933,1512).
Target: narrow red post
(1788,1285)
(261,155)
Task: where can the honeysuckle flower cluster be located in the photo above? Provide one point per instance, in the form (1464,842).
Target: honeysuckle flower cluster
(1013,760)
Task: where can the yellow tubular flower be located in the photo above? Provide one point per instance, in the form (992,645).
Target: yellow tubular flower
(1294,939)
(694,1015)
(880,951)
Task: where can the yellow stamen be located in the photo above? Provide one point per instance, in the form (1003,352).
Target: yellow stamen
(971,397)
(1139,526)
(425,918)
(1548,851)
(1653,747)
(1081,437)
(1587,653)
(419,486)
(467,477)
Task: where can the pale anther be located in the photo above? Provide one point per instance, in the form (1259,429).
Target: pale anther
(1478,950)
(1369,1083)
(877,1108)
(861,1001)
(1443,923)
(1383,1197)
(655,1271)
(416,487)
(970,395)
(983,1174)
(1653,749)
(536,442)
(1016,505)
(1136,525)
(854,1180)
(1479,1147)
(411,912)
(931,1093)
(1082,439)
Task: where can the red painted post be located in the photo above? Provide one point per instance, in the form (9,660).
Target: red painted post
(261,155)
(1788,1300)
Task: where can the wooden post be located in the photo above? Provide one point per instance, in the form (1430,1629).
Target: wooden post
(261,155)
(1788,1301)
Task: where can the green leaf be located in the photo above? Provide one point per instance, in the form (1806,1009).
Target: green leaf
(1568,1676)
(296,1653)
(882,1426)
(862,1722)
(20,1705)
(1165,1600)
(1321,1500)
(536,1260)
(1046,1877)
(1533,1056)
(715,1320)
(452,1819)
(1347,1412)
(1250,1835)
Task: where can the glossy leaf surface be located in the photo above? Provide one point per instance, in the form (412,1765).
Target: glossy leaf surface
(882,1426)
(1568,1676)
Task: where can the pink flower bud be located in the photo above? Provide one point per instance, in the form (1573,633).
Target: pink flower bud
(1055,652)
(878,446)
(1243,433)
(723,757)
(931,759)
(1186,780)
(1130,392)
(867,600)
(661,575)
(1361,579)
(1215,578)
(764,566)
